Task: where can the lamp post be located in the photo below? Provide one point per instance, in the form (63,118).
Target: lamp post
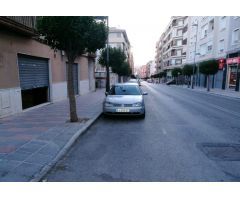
(196,25)
(107,56)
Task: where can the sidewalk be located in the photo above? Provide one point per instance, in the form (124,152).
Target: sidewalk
(215,91)
(31,142)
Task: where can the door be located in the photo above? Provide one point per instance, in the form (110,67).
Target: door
(34,80)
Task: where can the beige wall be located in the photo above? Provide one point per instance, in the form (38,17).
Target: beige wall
(11,45)
(83,68)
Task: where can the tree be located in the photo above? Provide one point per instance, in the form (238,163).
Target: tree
(76,36)
(208,67)
(176,71)
(116,58)
(188,71)
(125,69)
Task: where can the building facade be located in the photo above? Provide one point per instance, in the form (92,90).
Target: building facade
(117,39)
(172,45)
(215,37)
(31,73)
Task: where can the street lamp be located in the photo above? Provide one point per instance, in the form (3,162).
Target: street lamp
(107,56)
(196,25)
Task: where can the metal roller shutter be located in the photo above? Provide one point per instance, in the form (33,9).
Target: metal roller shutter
(33,72)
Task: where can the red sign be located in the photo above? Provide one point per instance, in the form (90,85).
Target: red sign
(221,63)
(235,60)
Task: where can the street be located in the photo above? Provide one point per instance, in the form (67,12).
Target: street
(186,136)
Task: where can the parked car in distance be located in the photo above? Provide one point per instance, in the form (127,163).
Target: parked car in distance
(149,80)
(171,82)
(125,99)
(135,81)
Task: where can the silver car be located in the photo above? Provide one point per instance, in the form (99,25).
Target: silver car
(135,81)
(125,99)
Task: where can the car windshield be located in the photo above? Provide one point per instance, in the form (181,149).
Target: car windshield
(125,90)
(133,80)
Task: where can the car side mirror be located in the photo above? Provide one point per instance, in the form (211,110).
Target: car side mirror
(106,93)
(145,93)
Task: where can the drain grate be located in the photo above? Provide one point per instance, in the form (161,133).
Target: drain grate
(221,151)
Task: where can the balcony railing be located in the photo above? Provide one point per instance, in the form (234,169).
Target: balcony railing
(23,24)
(29,21)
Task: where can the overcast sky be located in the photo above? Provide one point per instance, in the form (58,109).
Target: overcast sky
(143,32)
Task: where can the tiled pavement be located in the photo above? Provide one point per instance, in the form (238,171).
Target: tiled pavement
(31,140)
(215,91)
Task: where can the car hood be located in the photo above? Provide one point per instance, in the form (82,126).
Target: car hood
(124,99)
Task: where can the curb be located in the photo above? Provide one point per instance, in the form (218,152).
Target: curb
(209,93)
(38,176)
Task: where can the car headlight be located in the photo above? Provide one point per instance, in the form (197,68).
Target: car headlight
(138,104)
(108,104)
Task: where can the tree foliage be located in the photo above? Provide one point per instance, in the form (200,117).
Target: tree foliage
(209,67)
(75,35)
(188,69)
(176,71)
(117,60)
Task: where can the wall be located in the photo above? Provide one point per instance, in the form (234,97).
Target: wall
(11,45)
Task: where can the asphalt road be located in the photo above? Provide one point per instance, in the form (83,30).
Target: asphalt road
(186,136)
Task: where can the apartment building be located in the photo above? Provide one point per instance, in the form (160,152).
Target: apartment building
(31,73)
(151,68)
(215,37)
(142,71)
(233,54)
(171,47)
(117,39)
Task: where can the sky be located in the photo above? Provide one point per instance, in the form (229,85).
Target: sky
(143,32)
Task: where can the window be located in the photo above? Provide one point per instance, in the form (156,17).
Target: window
(222,22)
(236,36)
(209,47)
(211,25)
(178,61)
(179,42)
(118,35)
(203,49)
(179,52)
(221,46)
(119,46)
(179,32)
(204,31)
(180,22)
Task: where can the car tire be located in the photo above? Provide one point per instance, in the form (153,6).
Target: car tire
(142,116)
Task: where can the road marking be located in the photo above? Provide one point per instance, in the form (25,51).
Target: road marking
(164,131)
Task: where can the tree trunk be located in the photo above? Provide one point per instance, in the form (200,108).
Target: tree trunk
(208,83)
(188,82)
(71,95)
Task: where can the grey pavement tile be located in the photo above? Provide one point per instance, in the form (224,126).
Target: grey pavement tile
(39,159)
(18,155)
(60,143)
(31,147)
(12,177)
(27,169)
(2,155)
(8,165)
(48,136)
(50,149)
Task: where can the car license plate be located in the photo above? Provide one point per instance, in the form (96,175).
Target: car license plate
(122,110)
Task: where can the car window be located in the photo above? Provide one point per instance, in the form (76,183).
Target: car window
(125,90)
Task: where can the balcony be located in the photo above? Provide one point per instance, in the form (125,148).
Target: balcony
(22,24)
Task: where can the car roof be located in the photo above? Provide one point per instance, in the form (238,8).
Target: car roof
(119,84)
